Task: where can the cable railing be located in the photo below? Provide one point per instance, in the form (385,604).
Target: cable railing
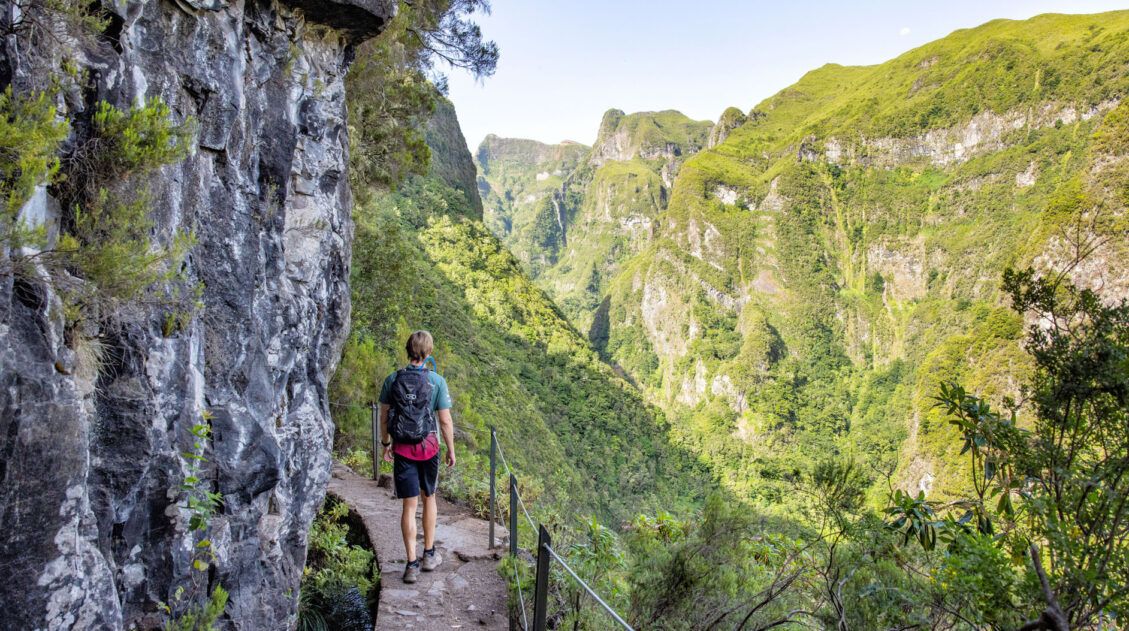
(545,552)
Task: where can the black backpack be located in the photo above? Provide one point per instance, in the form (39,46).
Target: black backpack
(410,418)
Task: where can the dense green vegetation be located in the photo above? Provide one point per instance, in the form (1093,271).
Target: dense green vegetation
(815,280)
(818,274)
(1037,541)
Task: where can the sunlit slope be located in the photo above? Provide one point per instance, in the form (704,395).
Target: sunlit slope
(819,272)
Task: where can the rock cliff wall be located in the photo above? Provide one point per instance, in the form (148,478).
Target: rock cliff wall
(92,535)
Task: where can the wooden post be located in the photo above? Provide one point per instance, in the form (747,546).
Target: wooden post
(513,516)
(541,590)
(377,448)
(493,490)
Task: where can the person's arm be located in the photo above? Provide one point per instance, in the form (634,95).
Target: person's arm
(447,428)
(385,437)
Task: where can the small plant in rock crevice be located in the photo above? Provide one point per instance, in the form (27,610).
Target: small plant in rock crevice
(192,607)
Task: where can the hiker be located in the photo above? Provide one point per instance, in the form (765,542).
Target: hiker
(410,400)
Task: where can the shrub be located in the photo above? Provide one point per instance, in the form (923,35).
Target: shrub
(338,577)
(30,135)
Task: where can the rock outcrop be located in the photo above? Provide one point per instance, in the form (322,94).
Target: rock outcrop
(730,119)
(93,428)
(450,160)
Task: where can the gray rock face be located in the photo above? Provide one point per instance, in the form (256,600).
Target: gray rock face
(450,159)
(92,534)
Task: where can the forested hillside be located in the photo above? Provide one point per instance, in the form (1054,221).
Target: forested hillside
(838,253)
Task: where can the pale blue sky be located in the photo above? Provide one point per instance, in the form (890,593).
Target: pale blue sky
(564,63)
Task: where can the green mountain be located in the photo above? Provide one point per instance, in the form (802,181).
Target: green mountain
(574,212)
(803,286)
(579,437)
(519,182)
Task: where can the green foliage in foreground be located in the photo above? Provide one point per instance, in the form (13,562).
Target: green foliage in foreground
(340,575)
(1055,493)
(202,618)
(192,608)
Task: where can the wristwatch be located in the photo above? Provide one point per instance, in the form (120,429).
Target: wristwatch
(386,444)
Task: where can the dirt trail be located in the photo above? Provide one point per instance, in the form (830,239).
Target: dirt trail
(466,592)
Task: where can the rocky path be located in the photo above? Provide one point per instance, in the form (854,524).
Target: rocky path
(466,592)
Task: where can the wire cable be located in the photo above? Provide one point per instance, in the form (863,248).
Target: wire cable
(588,589)
(520,502)
(520,598)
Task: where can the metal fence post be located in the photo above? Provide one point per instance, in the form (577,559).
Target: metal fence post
(493,491)
(513,516)
(377,448)
(541,590)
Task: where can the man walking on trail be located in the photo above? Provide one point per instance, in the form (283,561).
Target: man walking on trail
(410,401)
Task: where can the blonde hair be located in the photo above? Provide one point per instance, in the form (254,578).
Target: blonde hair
(419,346)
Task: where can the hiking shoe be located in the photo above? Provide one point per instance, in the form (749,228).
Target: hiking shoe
(411,572)
(431,560)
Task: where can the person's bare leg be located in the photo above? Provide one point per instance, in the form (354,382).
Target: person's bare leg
(430,509)
(408,527)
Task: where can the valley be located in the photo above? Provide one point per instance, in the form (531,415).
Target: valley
(796,283)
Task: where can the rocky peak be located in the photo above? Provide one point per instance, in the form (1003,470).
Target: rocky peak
(730,119)
(664,135)
(609,123)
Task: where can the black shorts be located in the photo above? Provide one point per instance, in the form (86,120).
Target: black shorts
(411,476)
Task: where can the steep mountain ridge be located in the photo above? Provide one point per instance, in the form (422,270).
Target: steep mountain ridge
(822,267)
(587,219)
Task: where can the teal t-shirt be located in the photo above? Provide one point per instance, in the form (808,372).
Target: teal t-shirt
(440,396)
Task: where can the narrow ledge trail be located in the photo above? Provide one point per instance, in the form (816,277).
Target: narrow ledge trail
(465,592)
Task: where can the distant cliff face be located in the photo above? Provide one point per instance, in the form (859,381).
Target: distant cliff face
(595,208)
(450,159)
(92,535)
(519,181)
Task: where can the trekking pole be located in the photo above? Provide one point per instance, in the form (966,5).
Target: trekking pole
(493,493)
(377,448)
(541,589)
